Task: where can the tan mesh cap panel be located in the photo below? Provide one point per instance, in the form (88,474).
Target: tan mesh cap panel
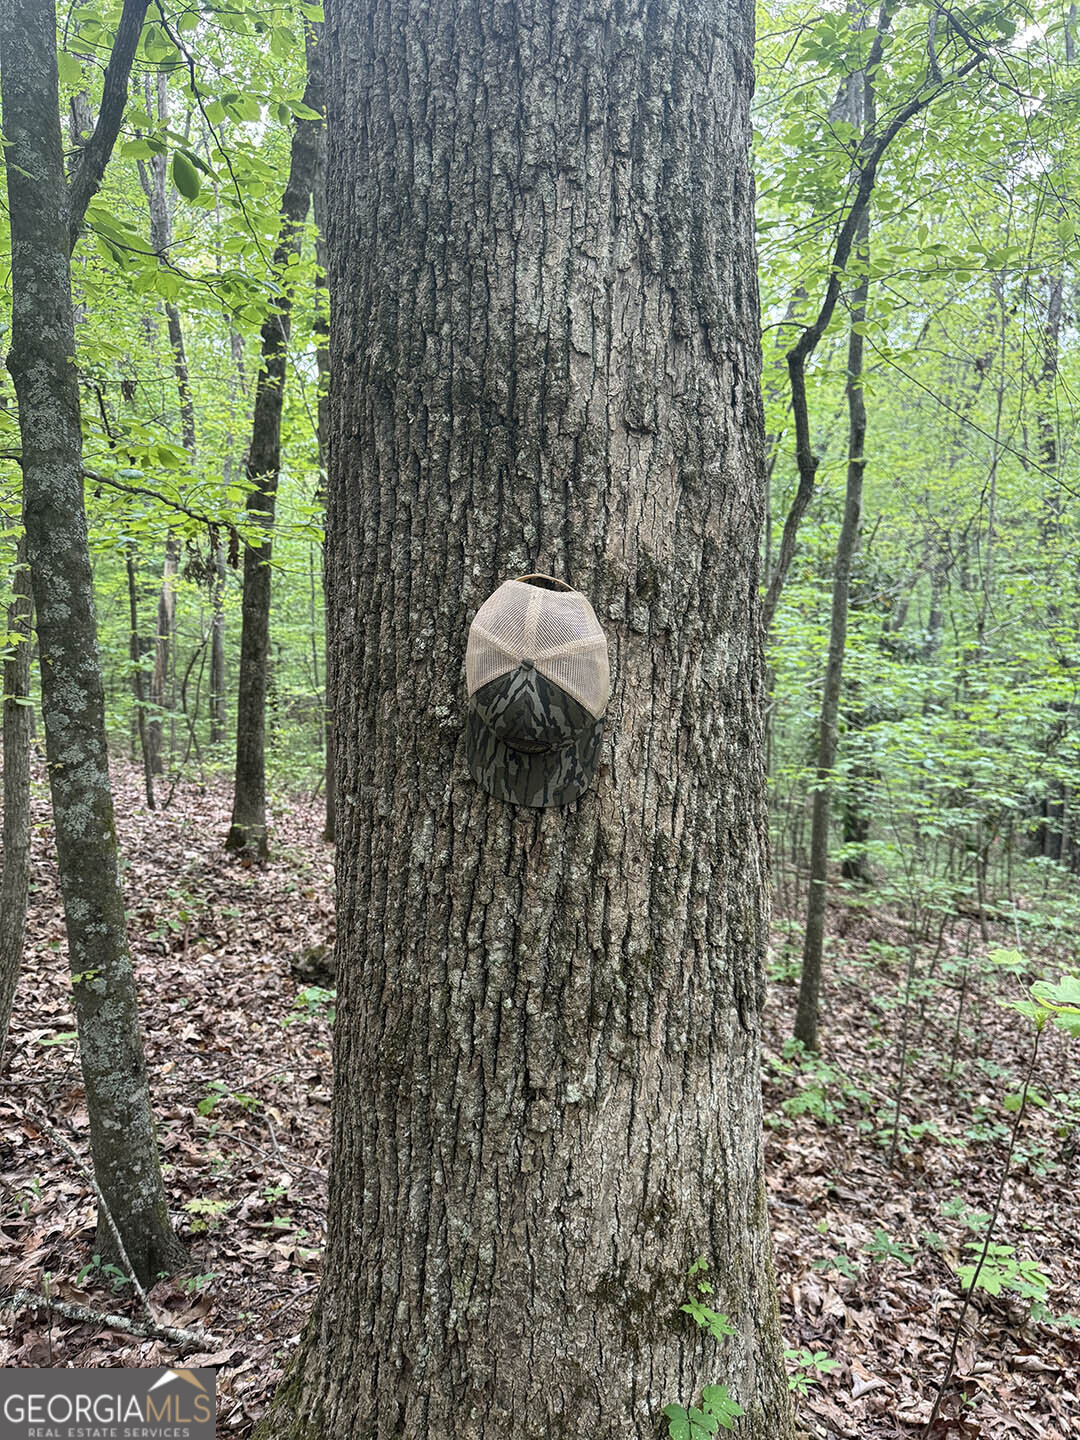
(556,629)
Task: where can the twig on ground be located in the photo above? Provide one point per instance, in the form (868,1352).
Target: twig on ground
(61,1140)
(951,1362)
(31,1299)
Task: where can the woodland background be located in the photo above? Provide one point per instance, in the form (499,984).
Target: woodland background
(927,1131)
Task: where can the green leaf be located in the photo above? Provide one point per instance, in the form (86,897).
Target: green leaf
(692,1424)
(196,160)
(718,1401)
(718,1325)
(171,456)
(70,70)
(678,1422)
(185,176)
(283,42)
(242,107)
(1066,229)
(1064,994)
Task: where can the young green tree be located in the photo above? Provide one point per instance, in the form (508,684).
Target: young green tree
(247,830)
(957,720)
(46,217)
(152,175)
(15,857)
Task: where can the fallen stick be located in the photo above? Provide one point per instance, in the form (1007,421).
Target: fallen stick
(65,1145)
(147,1330)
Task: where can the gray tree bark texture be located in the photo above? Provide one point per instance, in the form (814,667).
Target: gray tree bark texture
(43,370)
(15,852)
(544,355)
(247,828)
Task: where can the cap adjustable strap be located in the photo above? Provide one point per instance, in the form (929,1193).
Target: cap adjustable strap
(551,581)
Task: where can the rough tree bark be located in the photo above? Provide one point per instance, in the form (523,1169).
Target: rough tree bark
(544,354)
(247,830)
(15,856)
(42,366)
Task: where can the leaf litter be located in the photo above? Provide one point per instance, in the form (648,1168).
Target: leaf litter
(239,1057)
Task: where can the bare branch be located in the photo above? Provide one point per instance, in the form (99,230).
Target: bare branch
(94,156)
(32,1300)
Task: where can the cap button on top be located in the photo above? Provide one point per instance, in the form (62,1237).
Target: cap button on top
(527,665)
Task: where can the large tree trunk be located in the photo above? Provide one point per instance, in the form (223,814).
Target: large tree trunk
(545,354)
(42,366)
(15,857)
(247,830)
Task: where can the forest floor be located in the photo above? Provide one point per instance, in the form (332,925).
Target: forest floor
(238,1044)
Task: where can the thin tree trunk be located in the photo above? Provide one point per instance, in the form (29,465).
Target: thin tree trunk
(322,358)
(135,649)
(217,581)
(163,645)
(42,366)
(217,645)
(865,175)
(1052,829)
(15,860)
(152,174)
(806,1017)
(247,831)
(544,355)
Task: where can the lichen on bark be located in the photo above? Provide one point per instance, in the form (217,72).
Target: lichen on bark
(544,357)
(42,367)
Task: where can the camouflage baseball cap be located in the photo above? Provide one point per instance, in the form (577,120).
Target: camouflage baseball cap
(538,680)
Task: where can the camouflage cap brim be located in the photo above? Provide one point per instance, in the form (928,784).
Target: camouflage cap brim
(529,743)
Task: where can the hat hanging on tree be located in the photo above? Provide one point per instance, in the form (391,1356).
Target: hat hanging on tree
(538,679)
